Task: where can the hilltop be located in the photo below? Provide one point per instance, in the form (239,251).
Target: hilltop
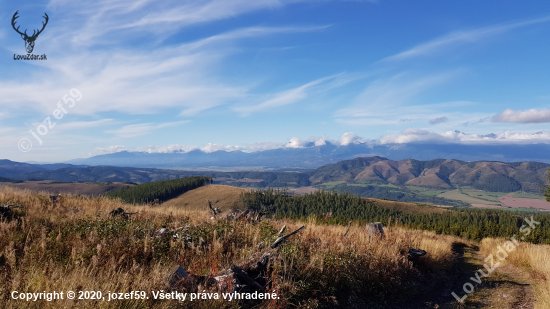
(76,245)
(227,197)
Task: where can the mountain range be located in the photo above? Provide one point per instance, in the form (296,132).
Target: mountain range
(312,156)
(438,173)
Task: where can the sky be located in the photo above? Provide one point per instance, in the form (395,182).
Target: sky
(163,76)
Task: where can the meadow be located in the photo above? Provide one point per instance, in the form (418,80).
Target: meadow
(75,245)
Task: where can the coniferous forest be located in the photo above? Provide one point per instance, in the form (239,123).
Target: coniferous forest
(161,190)
(339,208)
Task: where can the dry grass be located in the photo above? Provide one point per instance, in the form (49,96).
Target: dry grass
(228,197)
(534,259)
(74,245)
(86,188)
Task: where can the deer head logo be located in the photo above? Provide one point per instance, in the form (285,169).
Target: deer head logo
(29,40)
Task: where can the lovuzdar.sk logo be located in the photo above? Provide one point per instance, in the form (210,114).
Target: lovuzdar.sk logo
(29,40)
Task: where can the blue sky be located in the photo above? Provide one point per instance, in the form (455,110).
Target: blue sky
(231,74)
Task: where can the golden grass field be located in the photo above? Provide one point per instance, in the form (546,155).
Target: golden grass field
(75,245)
(227,197)
(76,188)
(532,259)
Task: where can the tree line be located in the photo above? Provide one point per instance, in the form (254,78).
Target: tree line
(339,208)
(161,190)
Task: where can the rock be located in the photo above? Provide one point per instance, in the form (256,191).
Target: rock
(375,229)
(176,276)
(415,253)
(161,232)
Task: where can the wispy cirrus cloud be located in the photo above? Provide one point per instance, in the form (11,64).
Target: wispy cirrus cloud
(462,37)
(384,97)
(527,116)
(135,130)
(283,98)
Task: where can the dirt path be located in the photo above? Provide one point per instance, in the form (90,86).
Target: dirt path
(506,287)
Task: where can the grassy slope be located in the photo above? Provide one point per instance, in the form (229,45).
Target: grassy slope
(227,197)
(75,245)
(83,188)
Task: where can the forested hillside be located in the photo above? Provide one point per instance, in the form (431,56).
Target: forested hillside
(333,207)
(161,190)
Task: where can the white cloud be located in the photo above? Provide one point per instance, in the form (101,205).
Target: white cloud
(93,49)
(283,98)
(296,142)
(107,150)
(217,147)
(349,138)
(382,97)
(261,146)
(404,137)
(461,37)
(528,116)
(426,136)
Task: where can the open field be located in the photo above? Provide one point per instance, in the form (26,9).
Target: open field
(529,195)
(425,191)
(331,184)
(482,195)
(457,195)
(82,188)
(77,246)
(304,190)
(489,206)
(514,202)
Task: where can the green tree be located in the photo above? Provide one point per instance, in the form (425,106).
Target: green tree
(547,186)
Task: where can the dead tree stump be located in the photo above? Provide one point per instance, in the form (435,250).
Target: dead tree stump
(375,229)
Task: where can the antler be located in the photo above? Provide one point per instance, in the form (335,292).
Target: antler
(43,26)
(13,24)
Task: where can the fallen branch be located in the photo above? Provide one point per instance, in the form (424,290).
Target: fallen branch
(283,238)
(282,230)
(246,278)
(244,213)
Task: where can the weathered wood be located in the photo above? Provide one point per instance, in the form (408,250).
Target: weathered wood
(244,213)
(283,238)
(241,275)
(282,230)
(375,229)
(346,233)
(213,210)
(5,209)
